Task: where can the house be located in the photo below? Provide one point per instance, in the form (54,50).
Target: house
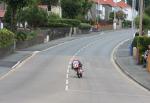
(53,9)
(127,9)
(101,9)
(2,11)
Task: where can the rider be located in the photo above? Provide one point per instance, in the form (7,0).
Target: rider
(76,64)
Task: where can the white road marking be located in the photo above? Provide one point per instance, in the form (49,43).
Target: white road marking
(67,76)
(66,88)
(74,56)
(67,82)
(19,64)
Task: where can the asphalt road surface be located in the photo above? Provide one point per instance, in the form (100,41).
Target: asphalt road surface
(47,78)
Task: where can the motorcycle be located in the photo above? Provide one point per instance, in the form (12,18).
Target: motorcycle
(79,72)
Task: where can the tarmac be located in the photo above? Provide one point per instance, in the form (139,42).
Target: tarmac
(11,61)
(122,58)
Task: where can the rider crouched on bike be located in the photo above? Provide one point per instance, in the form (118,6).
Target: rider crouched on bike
(76,64)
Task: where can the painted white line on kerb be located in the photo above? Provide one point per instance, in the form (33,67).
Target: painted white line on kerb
(74,56)
(113,57)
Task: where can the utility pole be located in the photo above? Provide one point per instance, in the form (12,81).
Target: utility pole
(115,21)
(133,13)
(141,17)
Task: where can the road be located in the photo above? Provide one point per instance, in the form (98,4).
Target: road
(46,77)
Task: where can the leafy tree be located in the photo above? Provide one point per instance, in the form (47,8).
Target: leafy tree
(71,8)
(15,5)
(34,16)
(146,3)
(50,2)
(147,10)
(86,6)
(120,15)
(74,8)
(146,21)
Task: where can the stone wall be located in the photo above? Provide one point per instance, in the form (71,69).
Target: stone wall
(28,43)
(6,51)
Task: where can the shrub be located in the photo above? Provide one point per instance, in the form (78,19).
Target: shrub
(141,42)
(6,38)
(58,25)
(64,22)
(35,16)
(84,26)
(127,23)
(23,36)
(53,16)
(146,21)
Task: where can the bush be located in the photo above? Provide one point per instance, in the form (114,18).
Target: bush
(53,16)
(6,38)
(141,41)
(127,23)
(84,26)
(35,16)
(23,36)
(64,22)
(146,21)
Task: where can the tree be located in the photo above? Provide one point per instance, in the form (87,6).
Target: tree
(71,8)
(50,2)
(74,8)
(86,6)
(15,5)
(146,3)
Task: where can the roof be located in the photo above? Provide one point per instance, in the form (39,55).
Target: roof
(105,2)
(2,13)
(122,4)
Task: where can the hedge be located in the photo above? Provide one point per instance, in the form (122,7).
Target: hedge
(84,26)
(64,22)
(23,36)
(6,38)
(141,42)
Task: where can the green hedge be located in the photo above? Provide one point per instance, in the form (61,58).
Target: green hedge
(126,23)
(141,42)
(84,26)
(6,38)
(64,22)
(23,36)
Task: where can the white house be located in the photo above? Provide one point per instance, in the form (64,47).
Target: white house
(54,9)
(101,9)
(130,14)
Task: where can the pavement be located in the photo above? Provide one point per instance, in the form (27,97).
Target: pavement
(128,65)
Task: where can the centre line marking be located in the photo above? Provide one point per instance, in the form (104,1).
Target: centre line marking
(74,56)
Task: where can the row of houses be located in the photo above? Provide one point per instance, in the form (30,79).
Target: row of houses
(103,8)
(100,8)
